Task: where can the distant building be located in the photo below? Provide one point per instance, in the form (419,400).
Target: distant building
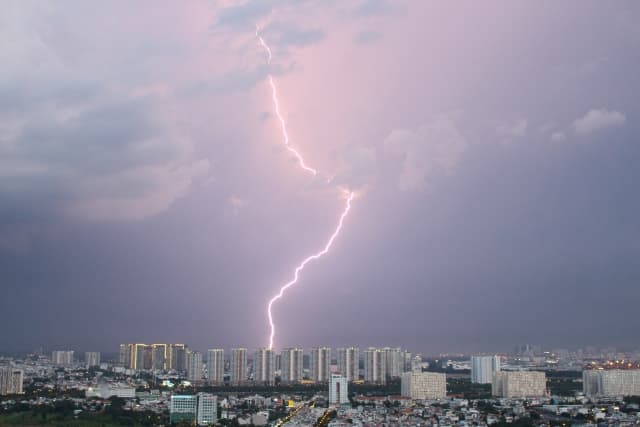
(519,384)
(105,391)
(183,408)
(394,362)
(598,383)
(349,363)
(375,366)
(62,357)
(176,353)
(320,364)
(264,366)
(194,366)
(483,368)
(338,390)
(123,356)
(424,385)
(215,366)
(92,358)
(10,380)
(238,366)
(159,359)
(291,365)
(207,411)
(416,363)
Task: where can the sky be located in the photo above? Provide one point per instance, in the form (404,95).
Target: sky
(146,195)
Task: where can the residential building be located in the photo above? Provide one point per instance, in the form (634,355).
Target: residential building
(92,358)
(10,380)
(291,365)
(215,366)
(194,366)
(264,366)
(62,357)
(519,384)
(423,385)
(177,357)
(394,362)
(338,390)
(349,363)
(483,368)
(159,357)
(597,383)
(238,366)
(375,366)
(320,364)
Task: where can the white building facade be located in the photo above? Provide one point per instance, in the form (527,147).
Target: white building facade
(375,366)
(238,366)
(598,383)
(349,363)
(483,368)
(519,384)
(11,380)
(207,411)
(423,385)
(291,360)
(215,366)
(320,364)
(264,366)
(338,390)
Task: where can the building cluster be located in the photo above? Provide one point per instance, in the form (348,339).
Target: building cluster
(179,389)
(290,365)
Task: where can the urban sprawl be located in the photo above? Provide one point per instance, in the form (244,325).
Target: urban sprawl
(163,384)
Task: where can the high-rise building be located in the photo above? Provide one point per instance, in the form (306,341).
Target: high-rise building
(177,357)
(483,368)
(519,384)
(92,358)
(597,383)
(395,362)
(349,363)
(338,390)
(10,380)
(320,364)
(62,357)
(238,366)
(416,363)
(424,385)
(407,363)
(183,408)
(215,366)
(264,366)
(123,356)
(207,412)
(194,366)
(291,365)
(375,366)
(159,357)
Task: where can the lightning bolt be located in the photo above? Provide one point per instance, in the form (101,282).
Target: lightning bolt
(349,195)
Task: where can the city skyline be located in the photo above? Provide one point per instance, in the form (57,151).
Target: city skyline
(146,194)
